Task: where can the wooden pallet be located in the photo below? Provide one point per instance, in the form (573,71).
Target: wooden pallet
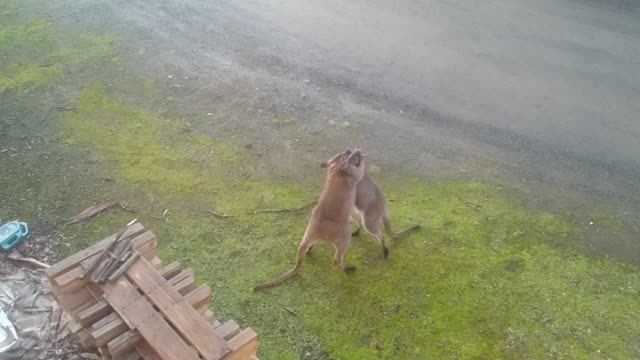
(151,311)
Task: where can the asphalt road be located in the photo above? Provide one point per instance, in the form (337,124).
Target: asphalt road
(563,74)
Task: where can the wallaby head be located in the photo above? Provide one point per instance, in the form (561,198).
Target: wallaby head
(336,158)
(329,219)
(354,165)
(348,162)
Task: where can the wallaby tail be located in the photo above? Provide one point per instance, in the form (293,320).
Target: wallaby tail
(289,274)
(399,235)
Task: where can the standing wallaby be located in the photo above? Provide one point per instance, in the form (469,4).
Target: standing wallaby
(371,210)
(329,219)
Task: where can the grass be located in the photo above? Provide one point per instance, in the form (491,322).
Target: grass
(486,277)
(33,57)
(26,53)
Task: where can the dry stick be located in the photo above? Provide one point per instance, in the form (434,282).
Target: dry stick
(285,209)
(91,211)
(126,208)
(97,264)
(126,255)
(54,334)
(97,271)
(290,311)
(283,247)
(467,204)
(113,263)
(219,215)
(15,256)
(124,266)
(116,260)
(65,108)
(107,248)
(46,115)
(96,275)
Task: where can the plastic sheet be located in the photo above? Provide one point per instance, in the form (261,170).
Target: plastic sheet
(29,316)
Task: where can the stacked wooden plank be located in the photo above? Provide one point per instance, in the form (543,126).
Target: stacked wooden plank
(149,311)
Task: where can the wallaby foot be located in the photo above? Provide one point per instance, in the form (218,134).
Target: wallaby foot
(349,269)
(346,268)
(341,250)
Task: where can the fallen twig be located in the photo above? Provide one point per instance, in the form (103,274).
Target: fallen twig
(283,247)
(116,274)
(65,108)
(46,115)
(98,260)
(91,211)
(290,311)
(219,215)
(467,204)
(285,209)
(163,216)
(15,256)
(123,206)
(113,261)
(58,324)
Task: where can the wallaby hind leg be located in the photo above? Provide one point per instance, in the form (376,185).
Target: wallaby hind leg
(399,235)
(341,251)
(357,217)
(373,227)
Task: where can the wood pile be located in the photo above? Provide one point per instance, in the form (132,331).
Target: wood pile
(129,305)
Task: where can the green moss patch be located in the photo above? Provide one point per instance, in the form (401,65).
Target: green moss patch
(160,156)
(32,55)
(25,52)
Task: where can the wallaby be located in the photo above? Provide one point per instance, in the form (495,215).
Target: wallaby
(371,211)
(329,219)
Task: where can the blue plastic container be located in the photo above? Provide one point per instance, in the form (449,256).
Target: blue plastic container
(12,233)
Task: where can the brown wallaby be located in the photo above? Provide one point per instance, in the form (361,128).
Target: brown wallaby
(371,211)
(329,219)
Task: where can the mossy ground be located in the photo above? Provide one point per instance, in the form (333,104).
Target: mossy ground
(485,278)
